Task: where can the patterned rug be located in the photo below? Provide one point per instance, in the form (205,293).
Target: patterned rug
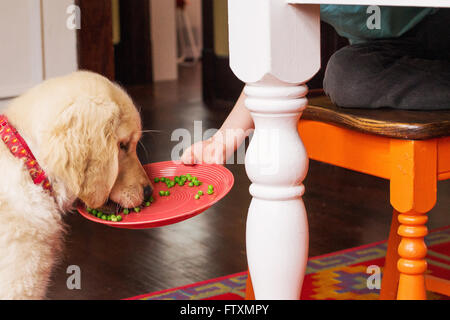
(340,275)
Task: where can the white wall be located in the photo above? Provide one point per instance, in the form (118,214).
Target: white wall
(21,62)
(39,44)
(60,43)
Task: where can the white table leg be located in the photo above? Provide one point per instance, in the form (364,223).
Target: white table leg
(274,48)
(276,163)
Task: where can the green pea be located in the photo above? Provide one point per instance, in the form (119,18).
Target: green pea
(151,199)
(88,209)
(99,215)
(104,217)
(196,183)
(200,193)
(137,209)
(197,197)
(210,187)
(162,193)
(119,218)
(156,180)
(162,179)
(167,193)
(94,211)
(210,192)
(181,183)
(191,184)
(147,204)
(113,218)
(126,211)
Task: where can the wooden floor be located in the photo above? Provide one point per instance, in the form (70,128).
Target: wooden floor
(345,209)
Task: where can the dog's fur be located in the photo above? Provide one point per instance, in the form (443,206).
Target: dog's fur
(83,131)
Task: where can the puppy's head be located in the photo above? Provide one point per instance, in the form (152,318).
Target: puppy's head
(90,144)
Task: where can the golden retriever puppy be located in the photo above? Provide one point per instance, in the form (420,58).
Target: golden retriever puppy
(83,131)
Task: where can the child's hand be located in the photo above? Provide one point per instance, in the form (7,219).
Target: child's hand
(224,142)
(209,151)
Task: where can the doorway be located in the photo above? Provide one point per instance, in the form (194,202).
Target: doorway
(114,40)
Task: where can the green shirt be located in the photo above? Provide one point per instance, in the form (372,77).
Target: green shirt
(352,21)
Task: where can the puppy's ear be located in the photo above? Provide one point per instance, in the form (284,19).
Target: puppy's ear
(80,148)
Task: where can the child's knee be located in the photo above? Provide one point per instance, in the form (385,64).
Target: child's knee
(347,77)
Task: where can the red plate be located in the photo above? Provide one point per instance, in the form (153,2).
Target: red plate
(180,205)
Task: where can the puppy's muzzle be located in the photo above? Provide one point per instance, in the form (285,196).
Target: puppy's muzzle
(148,190)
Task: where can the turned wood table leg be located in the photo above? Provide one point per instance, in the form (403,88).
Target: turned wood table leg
(275,48)
(276,163)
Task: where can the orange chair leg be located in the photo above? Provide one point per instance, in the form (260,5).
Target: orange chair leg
(413,185)
(249,294)
(412,250)
(389,283)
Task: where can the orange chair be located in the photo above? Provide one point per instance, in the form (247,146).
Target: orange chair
(412,150)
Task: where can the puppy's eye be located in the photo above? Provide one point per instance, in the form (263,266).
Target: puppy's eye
(124,146)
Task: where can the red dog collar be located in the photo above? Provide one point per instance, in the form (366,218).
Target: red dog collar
(19,148)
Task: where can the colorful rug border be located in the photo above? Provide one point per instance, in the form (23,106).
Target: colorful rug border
(242,273)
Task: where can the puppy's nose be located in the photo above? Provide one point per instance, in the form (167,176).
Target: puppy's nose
(148,190)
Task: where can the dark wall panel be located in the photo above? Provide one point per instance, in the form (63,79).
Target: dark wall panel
(94,39)
(133,55)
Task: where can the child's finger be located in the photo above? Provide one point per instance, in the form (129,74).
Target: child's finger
(188,160)
(188,156)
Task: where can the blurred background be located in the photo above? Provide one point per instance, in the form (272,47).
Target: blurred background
(130,42)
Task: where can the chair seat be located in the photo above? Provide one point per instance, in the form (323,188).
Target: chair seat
(399,124)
